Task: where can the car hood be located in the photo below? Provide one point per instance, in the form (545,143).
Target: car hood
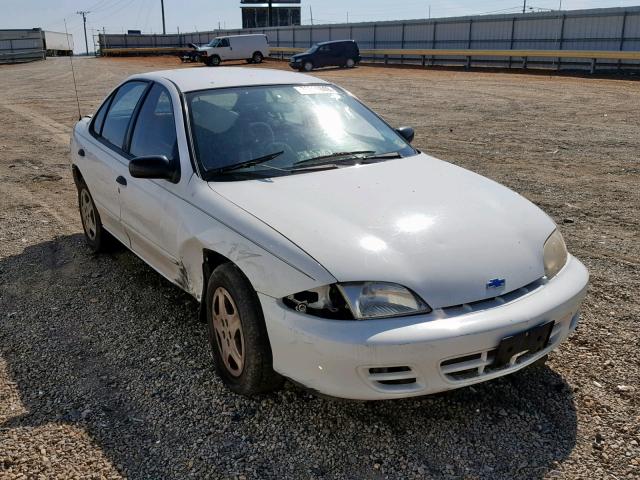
(299,56)
(438,229)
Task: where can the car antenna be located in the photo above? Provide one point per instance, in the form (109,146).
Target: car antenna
(73,73)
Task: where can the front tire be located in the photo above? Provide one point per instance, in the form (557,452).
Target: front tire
(98,239)
(213,61)
(307,66)
(238,335)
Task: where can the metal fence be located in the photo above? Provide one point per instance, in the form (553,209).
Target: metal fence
(21,45)
(612,29)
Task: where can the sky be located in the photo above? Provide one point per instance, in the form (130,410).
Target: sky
(117,16)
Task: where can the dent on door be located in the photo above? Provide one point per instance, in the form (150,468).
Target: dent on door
(152,221)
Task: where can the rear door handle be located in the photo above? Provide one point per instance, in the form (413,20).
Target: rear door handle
(81,152)
(122,181)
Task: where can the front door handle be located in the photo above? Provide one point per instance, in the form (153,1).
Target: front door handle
(122,181)
(81,152)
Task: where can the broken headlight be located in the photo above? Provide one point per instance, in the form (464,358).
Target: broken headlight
(358,300)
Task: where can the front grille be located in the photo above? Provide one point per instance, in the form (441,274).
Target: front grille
(477,365)
(479,305)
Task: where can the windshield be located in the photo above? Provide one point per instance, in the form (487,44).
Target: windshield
(213,43)
(312,49)
(299,123)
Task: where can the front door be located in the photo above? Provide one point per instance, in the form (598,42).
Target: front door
(148,207)
(224,49)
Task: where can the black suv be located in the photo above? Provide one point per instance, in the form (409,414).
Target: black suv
(337,53)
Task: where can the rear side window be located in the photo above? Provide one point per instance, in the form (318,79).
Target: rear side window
(99,120)
(119,115)
(155,129)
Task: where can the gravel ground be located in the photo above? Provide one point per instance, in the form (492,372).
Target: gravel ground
(103,364)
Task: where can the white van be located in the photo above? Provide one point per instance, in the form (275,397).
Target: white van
(252,48)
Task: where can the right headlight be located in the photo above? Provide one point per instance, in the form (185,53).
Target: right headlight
(555,254)
(358,301)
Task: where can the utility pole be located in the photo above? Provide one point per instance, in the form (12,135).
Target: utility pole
(84,21)
(164,29)
(524,6)
(347,17)
(311,13)
(270,13)
(429,12)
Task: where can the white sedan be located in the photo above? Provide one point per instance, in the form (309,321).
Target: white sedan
(322,246)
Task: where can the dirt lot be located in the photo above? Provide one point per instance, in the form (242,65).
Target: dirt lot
(103,364)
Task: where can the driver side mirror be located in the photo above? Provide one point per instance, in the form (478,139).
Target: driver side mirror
(154,166)
(407,133)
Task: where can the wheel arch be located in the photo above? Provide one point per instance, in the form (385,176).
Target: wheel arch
(210,261)
(77,175)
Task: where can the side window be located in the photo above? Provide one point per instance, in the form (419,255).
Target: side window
(224,42)
(155,129)
(119,115)
(99,119)
(325,49)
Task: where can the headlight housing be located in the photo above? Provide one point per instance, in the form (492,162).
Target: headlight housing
(555,254)
(359,301)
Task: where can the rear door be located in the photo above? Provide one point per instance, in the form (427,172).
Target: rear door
(322,57)
(240,47)
(105,165)
(338,54)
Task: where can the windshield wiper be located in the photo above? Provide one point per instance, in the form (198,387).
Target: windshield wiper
(381,156)
(349,156)
(332,156)
(248,163)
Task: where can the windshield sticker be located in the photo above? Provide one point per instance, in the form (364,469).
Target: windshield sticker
(315,89)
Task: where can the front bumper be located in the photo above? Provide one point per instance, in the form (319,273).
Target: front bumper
(418,355)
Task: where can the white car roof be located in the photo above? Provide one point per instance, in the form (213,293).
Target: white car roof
(190,79)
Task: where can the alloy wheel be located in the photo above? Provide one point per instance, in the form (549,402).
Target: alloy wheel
(228,330)
(88,215)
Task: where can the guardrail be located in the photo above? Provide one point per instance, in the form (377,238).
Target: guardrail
(593,55)
(597,54)
(144,50)
(424,54)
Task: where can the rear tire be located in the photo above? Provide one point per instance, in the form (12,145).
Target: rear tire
(98,239)
(257,57)
(238,335)
(350,63)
